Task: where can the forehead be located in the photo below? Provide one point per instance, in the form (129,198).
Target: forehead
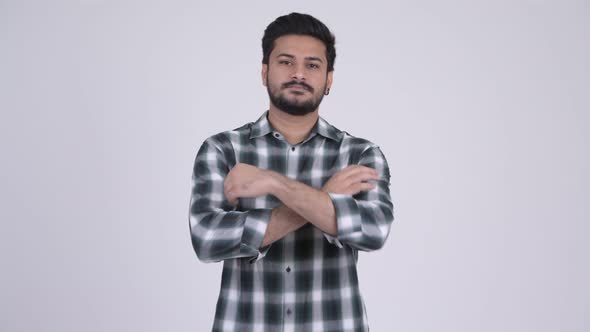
(297,45)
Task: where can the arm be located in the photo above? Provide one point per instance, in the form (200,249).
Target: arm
(349,208)
(283,221)
(356,212)
(364,219)
(302,201)
(311,204)
(219,232)
(316,205)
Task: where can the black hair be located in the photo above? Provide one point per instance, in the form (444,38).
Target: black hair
(298,24)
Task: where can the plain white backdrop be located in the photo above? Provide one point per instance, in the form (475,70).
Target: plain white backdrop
(481,107)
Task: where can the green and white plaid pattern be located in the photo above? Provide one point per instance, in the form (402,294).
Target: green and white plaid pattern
(306,281)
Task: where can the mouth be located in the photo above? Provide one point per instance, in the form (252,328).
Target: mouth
(297,87)
(297,90)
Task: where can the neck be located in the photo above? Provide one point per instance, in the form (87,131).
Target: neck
(294,128)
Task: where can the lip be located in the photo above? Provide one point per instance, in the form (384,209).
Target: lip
(297,87)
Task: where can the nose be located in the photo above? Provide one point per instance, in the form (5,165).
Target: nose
(298,72)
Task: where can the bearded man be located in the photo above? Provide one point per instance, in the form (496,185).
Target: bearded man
(286,202)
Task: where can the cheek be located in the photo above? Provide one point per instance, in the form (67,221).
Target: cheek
(274,79)
(275,74)
(320,80)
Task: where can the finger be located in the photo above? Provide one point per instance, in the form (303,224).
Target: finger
(227,187)
(351,175)
(352,170)
(363,175)
(363,186)
(230,192)
(227,182)
(371,170)
(232,198)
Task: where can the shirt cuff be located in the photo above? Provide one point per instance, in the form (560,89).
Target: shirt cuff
(348,219)
(254,229)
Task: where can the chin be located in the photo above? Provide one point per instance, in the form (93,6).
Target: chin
(298,112)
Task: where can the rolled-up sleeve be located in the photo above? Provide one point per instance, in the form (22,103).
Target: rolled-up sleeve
(218,231)
(364,219)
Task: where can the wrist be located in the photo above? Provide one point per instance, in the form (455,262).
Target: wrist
(274,182)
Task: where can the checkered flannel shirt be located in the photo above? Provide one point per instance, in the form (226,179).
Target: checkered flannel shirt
(306,281)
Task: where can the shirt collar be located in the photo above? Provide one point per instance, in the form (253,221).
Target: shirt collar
(263,127)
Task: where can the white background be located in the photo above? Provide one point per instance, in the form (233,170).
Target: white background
(481,107)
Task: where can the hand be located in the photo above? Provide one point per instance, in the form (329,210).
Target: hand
(246,181)
(351,180)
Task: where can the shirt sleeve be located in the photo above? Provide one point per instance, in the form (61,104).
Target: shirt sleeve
(218,231)
(364,219)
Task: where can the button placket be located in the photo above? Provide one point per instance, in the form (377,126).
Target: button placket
(289,302)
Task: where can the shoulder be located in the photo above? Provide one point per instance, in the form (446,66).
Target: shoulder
(362,151)
(224,139)
(357,144)
(365,152)
(220,146)
(347,140)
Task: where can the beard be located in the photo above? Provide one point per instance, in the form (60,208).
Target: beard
(294,106)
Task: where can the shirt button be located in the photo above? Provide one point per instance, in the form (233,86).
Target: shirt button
(277,135)
(292,149)
(288,269)
(288,311)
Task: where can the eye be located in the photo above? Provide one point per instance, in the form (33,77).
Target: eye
(313,66)
(285,62)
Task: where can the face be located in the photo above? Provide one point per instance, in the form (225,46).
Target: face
(296,76)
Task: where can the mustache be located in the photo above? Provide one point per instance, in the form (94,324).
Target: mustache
(301,84)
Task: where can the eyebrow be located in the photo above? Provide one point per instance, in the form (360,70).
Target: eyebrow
(312,58)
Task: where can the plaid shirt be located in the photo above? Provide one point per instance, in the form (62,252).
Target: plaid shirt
(306,281)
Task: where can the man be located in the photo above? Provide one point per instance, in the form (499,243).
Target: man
(287,201)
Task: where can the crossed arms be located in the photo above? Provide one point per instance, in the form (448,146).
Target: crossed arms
(302,203)
(348,207)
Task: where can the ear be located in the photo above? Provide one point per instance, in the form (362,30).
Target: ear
(264,73)
(329,79)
